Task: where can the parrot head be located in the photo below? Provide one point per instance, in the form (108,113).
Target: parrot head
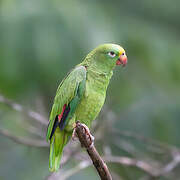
(105,57)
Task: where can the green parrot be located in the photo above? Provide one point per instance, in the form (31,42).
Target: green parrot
(80,96)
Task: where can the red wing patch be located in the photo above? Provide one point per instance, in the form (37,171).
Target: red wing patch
(60,115)
(60,119)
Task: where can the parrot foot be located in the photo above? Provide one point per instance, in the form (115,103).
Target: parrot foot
(88,134)
(74,135)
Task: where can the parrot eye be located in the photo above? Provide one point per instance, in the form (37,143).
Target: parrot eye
(112,54)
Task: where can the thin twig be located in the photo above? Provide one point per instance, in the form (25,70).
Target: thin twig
(125,161)
(98,162)
(133,162)
(24,141)
(147,140)
(32,114)
(168,168)
(66,174)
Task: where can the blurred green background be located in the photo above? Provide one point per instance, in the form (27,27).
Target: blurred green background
(40,41)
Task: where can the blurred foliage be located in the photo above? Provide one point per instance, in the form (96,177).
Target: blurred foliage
(40,41)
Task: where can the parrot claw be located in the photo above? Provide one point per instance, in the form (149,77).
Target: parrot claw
(92,141)
(90,137)
(74,135)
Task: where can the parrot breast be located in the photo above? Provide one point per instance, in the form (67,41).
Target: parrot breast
(93,98)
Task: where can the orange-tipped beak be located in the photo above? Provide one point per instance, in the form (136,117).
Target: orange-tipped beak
(122,60)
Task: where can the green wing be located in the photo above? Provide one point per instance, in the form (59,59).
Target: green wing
(69,92)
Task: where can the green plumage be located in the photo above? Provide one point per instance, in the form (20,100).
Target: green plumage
(84,92)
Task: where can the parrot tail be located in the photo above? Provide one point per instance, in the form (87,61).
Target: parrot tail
(57,143)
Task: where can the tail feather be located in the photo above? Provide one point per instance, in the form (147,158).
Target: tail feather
(57,143)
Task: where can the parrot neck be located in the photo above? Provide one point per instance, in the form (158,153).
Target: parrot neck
(99,80)
(99,72)
(101,68)
(92,68)
(97,66)
(93,72)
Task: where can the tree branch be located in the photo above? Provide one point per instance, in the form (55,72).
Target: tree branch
(63,175)
(125,161)
(154,172)
(168,168)
(24,141)
(98,162)
(32,114)
(142,165)
(146,140)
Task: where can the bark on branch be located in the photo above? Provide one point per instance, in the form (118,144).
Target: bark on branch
(98,162)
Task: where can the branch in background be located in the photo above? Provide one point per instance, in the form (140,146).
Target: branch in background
(152,171)
(24,141)
(125,161)
(168,168)
(32,114)
(95,157)
(34,131)
(133,162)
(63,175)
(98,162)
(147,140)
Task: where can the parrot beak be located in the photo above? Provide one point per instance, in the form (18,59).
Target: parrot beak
(122,60)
